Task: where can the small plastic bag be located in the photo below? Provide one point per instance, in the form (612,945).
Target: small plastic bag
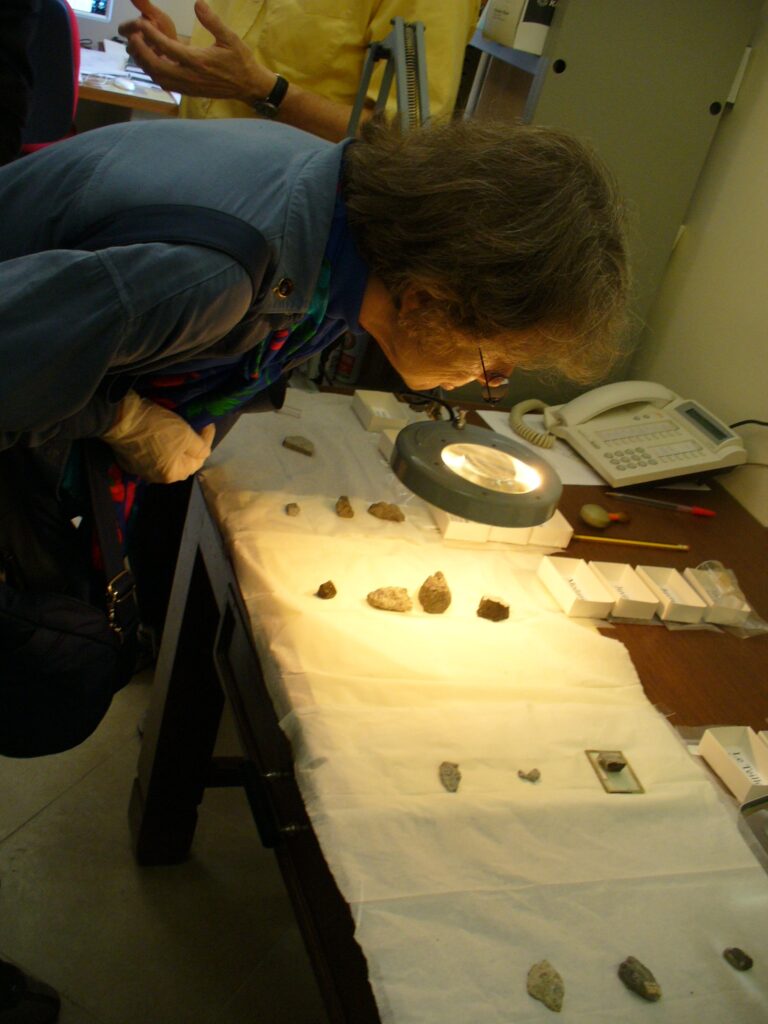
(723,587)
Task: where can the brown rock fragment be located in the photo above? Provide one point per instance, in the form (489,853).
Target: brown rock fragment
(326,590)
(384,510)
(300,444)
(434,594)
(532,776)
(343,508)
(493,609)
(292,509)
(450,776)
(611,762)
(390,599)
(639,979)
(546,985)
(738,958)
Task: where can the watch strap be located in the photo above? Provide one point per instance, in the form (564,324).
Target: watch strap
(269,105)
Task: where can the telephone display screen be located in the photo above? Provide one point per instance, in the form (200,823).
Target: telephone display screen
(705,424)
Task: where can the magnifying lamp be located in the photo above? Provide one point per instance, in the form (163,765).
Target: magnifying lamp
(476,474)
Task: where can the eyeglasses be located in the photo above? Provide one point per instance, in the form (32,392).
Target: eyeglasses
(495,387)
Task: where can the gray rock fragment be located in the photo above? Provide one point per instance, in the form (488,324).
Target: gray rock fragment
(639,979)
(450,776)
(292,509)
(326,590)
(492,608)
(546,985)
(297,443)
(384,510)
(390,599)
(611,763)
(434,594)
(738,958)
(532,776)
(343,508)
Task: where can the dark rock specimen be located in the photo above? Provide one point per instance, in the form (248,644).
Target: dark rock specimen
(390,599)
(384,510)
(611,762)
(434,594)
(450,776)
(343,508)
(532,776)
(297,443)
(738,958)
(292,509)
(493,609)
(639,979)
(546,985)
(326,590)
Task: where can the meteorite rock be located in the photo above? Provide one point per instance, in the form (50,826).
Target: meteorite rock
(292,509)
(297,443)
(390,599)
(546,985)
(493,609)
(532,776)
(434,594)
(738,958)
(383,510)
(639,979)
(326,590)
(450,776)
(611,762)
(343,508)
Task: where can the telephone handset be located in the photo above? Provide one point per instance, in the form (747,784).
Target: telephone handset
(635,431)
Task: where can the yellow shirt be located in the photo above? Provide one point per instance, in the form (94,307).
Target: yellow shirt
(320,45)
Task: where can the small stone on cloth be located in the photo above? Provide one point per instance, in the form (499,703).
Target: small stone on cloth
(326,590)
(738,958)
(343,508)
(384,510)
(546,985)
(639,979)
(434,594)
(450,776)
(390,599)
(532,776)
(292,509)
(297,443)
(494,609)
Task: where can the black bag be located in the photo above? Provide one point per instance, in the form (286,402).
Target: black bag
(68,639)
(67,642)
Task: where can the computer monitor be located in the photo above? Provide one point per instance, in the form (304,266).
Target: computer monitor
(96,19)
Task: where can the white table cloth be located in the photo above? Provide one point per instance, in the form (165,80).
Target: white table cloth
(456,895)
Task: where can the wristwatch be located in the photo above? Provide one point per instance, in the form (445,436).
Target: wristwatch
(268,106)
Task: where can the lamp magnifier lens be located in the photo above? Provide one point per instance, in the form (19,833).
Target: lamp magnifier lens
(487,467)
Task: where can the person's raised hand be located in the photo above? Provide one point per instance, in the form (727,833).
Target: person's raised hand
(226,69)
(150,14)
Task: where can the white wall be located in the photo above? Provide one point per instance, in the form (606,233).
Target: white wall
(707,333)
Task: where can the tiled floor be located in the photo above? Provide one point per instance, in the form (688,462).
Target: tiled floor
(211,941)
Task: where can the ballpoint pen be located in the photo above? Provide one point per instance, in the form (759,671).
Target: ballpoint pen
(695,510)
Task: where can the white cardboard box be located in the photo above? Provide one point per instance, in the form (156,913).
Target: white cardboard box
(555,533)
(387,442)
(575,587)
(722,609)
(739,756)
(378,410)
(679,601)
(455,528)
(632,598)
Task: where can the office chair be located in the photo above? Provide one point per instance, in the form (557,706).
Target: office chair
(54,56)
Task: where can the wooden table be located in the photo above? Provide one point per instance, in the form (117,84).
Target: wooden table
(697,678)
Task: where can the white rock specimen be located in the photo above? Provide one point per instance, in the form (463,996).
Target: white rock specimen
(450,776)
(297,443)
(434,594)
(546,985)
(639,979)
(390,599)
(384,510)
(292,509)
(494,609)
(343,508)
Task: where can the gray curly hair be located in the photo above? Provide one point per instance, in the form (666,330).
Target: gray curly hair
(510,228)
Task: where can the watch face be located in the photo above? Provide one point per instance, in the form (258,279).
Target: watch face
(265,109)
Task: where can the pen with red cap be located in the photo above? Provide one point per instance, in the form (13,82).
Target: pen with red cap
(695,510)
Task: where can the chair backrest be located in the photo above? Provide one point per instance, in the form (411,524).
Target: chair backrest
(54,56)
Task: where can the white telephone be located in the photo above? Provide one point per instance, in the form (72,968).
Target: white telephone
(634,431)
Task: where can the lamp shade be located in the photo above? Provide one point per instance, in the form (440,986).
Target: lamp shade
(476,474)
